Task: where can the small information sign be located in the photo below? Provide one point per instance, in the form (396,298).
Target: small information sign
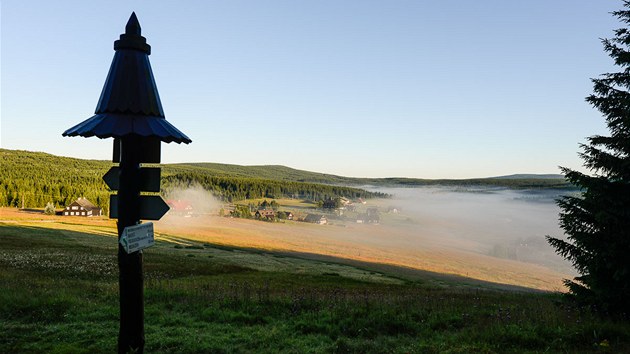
(137,237)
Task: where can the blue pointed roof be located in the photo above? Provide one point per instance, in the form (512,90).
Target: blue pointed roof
(130,102)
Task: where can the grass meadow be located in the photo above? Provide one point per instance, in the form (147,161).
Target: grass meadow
(59,294)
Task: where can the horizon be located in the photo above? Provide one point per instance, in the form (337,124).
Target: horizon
(356,89)
(538,175)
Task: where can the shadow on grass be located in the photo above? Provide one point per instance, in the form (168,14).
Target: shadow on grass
(21,237)
(30,237)
(200,304)
(406,274)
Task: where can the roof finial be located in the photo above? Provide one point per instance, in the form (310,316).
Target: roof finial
(133,26)
(132,39)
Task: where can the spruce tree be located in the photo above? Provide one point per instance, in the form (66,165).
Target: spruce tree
(597,222)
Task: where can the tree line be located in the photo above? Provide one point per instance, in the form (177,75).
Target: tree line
(33,179)
(232,189)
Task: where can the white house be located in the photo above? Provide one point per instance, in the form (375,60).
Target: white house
(82,207)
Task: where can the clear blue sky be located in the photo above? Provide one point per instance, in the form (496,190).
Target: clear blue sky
(429,89)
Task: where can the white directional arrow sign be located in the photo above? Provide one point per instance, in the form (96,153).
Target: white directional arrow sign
(137,237)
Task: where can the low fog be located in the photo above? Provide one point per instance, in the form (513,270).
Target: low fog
(502,223)
(483,233)
(201,201)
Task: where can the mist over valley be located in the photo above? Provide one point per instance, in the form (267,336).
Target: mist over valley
(499,222)
(488,229)
(489,234)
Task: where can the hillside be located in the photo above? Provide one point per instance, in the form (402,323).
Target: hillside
(59,291)
(31,179)
(275,172)
(284,173)
(530,176)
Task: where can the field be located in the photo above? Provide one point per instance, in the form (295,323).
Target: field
(247,286)
(408,245)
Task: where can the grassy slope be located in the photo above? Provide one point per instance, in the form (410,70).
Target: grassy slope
(58,293)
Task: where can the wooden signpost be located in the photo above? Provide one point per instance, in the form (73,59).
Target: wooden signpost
(130,111)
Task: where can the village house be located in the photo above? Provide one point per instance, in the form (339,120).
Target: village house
(284,215)
(370,217)
(393,209)
(373,216)
(180,208)
(268,214)
(316,219)
(339,205)
(82,207)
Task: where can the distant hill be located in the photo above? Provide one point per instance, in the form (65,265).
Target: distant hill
(530,176)
(31,179)
(283,173)
(275,172)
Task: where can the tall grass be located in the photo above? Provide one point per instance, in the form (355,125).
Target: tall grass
(59,295)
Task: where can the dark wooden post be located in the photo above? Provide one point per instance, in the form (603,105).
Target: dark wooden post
(131,279)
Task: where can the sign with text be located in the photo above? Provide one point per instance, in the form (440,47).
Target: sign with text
(137,237)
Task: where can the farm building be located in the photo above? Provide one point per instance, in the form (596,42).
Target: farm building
(289,215)
(337,203)
(393,209)
(371,217)
(315,219)
(180,207)
(82,207)
(265,214)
